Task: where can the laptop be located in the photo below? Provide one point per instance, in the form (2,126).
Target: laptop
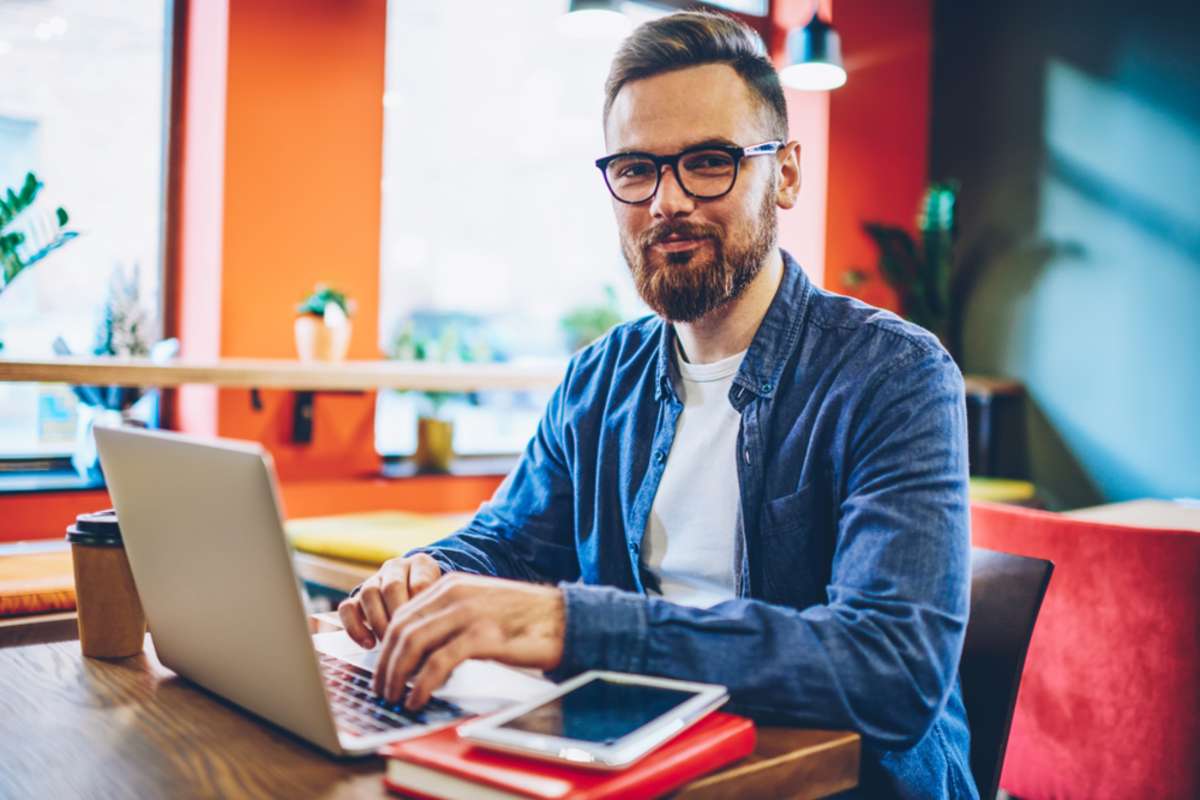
(203,529)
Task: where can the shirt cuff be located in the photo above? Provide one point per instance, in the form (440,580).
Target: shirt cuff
(605,629)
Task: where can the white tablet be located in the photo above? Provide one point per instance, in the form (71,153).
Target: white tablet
(605,720)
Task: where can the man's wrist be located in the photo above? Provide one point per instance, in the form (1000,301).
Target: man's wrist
(604,628)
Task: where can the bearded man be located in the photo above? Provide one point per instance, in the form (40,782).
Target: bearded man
(762,485)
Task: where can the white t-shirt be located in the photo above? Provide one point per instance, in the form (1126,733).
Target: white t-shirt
(696,519)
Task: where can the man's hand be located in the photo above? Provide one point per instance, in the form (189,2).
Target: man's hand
(365,616)
(468,616)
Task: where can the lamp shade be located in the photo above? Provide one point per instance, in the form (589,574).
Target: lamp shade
(594,19)
(593,5)
(814,55)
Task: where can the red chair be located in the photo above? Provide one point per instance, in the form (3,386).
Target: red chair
(1109,705)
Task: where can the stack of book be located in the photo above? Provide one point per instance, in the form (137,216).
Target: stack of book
(441,765)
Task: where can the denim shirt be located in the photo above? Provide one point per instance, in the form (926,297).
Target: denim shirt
(853,574)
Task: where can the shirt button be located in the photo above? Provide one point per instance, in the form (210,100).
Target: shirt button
(765,388)
(633,548)
(746,455)
(659,456)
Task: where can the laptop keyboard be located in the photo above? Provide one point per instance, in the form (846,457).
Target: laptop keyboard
(358,710)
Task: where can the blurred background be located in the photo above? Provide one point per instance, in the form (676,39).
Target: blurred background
(433,162)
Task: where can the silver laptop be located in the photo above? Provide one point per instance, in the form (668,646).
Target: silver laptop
(202,524)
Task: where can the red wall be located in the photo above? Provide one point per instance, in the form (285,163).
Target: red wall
(802,228)
(879,134)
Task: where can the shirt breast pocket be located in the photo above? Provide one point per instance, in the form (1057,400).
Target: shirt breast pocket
(795,566)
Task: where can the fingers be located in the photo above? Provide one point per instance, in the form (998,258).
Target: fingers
(462,617)
(404,578)
(410,645)
(437,668)
(351,613)
(371,599)
(366,616)
(422,572)
(411,637)
(394,592)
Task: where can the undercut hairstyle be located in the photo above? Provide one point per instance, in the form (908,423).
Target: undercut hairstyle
(691,39)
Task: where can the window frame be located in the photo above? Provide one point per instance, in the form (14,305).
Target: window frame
(17,473)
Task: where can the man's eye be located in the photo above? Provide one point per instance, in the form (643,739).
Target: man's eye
(708,162)
(637,169)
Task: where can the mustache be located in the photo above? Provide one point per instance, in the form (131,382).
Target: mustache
(687,230)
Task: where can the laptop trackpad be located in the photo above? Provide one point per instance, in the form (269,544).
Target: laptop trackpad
(478,687)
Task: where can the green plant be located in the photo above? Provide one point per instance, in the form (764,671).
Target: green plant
(920,273)
(322,295)
(21,249)
(126,328)
(585,324)
(448,343)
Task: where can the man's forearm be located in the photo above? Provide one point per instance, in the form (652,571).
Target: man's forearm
(461,554)
(883,671)
(483,552)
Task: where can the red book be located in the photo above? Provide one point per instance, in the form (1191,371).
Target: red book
(442,766)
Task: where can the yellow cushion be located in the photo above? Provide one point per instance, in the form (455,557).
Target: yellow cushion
(372,537)
(1002,490)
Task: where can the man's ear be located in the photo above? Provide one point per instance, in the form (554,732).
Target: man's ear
(789,176)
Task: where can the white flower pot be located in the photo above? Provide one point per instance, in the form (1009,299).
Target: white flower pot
(316,340)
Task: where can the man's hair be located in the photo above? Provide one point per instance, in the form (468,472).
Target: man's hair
(690,39)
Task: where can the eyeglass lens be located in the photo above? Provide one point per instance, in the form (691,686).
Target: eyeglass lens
(703,173)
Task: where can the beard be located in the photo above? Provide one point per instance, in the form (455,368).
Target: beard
(684,286)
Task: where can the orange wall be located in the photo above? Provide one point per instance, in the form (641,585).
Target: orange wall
(879,134)
(303,160)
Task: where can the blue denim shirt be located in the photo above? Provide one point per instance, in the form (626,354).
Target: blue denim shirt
(854,570)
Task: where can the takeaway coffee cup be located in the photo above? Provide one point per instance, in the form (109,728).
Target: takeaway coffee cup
(111,622)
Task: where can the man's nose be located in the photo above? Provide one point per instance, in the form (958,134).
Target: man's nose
(670,200)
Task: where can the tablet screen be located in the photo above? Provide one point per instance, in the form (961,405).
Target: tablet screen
(599,711)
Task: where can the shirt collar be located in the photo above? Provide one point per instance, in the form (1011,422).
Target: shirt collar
(773,343)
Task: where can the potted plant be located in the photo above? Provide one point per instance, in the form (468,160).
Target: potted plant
(126,330)
(323,326)
(920,272)
(435,431)
(29,230)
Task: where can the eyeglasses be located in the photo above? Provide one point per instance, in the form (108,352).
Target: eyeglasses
(705,172)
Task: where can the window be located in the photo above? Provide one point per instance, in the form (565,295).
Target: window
(494,214)
(83,104)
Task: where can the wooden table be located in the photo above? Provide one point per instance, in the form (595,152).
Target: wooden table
(1167,514)
(78,727)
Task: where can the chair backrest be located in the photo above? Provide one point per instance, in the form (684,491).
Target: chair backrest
(1110,698)
(1006,594)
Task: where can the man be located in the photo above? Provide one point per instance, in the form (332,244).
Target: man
(763,485)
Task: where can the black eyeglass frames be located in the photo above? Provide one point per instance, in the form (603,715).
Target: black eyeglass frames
(705,172)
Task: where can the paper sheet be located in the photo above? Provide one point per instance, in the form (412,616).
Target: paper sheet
(479,687)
